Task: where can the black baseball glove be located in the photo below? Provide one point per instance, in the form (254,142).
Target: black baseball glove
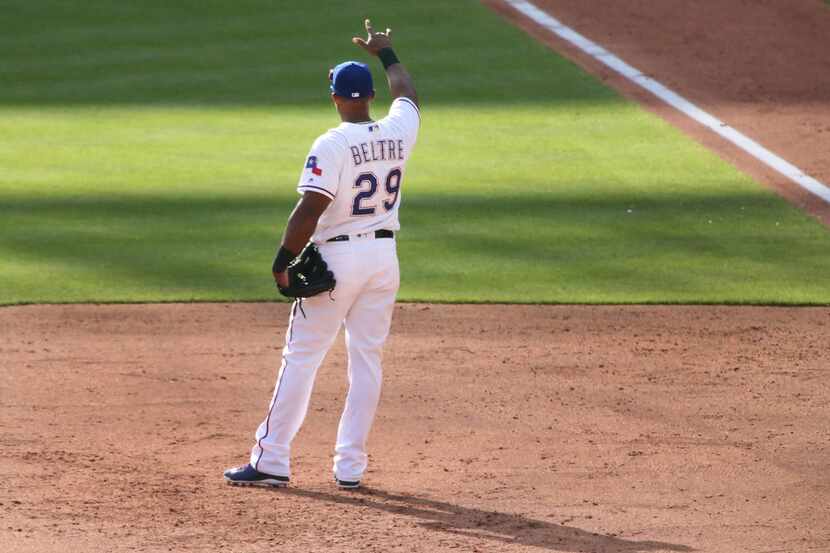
(308,275)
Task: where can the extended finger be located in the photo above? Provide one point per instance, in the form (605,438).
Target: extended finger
(369,27)
(359,41)
(388,32)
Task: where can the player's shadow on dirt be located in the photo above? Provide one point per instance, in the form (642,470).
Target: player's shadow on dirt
(488,525)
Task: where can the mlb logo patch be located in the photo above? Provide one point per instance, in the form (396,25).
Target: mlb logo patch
(312,164)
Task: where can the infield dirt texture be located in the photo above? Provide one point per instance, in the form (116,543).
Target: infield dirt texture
(608,429)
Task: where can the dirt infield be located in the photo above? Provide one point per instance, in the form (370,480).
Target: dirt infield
(502,428)
(760,66)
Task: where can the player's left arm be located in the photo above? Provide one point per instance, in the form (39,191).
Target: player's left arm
(298,231)
(401,84)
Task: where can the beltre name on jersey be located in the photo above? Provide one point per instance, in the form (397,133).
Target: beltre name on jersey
(377,150)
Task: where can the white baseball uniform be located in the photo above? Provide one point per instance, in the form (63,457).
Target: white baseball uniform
(360,166)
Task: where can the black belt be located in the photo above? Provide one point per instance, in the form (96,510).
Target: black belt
(383,233)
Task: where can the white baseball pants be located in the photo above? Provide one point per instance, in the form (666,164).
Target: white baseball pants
(366,270)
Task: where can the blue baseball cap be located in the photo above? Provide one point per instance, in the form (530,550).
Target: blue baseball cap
(352,79)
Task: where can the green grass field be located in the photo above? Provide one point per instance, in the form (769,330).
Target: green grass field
(150,152)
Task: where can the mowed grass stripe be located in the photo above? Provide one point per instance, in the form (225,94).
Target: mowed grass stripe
(290,69)
(33,68)
(169,178)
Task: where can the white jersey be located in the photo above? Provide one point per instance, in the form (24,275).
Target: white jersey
(361,166)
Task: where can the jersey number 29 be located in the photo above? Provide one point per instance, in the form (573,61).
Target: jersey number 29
(392,185)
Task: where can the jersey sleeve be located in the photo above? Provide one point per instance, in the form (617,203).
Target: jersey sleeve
(321,172)
(406,117)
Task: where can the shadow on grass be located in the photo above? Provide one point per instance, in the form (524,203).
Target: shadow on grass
(474,523)
(215,248)
(266,53)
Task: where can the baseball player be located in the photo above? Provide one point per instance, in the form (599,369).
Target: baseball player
(351,192)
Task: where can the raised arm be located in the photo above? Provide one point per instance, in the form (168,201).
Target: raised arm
(380,45)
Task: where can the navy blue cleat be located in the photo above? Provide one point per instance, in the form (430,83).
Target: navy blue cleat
(249,476)
(347,484)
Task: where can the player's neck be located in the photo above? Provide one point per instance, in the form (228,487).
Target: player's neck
(355,114)
(356,118)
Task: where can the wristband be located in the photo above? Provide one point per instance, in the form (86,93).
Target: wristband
(281,261)
(387,57)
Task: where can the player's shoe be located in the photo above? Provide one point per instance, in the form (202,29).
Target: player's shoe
(249,476)
(347,484)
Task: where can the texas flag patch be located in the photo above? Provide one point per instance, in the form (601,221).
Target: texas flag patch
(312,164)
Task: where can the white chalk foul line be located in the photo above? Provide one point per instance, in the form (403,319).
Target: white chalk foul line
(678,102)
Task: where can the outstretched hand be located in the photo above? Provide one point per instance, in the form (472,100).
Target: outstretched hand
(375,42)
